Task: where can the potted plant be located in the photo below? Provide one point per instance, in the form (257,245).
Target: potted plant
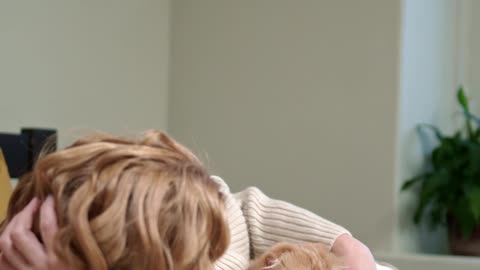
(449,188)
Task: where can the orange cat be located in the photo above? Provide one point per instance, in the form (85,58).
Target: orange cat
(307,256)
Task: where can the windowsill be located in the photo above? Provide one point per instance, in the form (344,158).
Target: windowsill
(429,261)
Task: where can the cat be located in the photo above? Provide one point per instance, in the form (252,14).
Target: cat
(305,256)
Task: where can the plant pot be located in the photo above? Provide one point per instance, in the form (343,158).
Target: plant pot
(460,245)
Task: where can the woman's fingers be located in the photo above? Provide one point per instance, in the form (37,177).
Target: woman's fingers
(20,223)
(13,258)
(48,230)
(48,222)
(24,218)
(4,265)
(20,249)
(29,247)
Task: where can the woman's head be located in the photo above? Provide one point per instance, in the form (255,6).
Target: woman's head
(129,204)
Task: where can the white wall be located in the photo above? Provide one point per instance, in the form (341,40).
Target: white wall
(427,95)
(296,97)
(100,65)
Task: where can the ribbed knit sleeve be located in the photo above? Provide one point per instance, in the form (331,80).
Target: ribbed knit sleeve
(237,256)
(257,222)
(271,221)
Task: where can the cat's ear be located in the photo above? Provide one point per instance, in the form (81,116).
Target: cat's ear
(273,256)
(270,261)
(265,262)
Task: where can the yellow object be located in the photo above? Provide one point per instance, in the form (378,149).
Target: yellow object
(5,187)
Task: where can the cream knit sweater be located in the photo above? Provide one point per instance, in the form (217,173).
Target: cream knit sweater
(258,222)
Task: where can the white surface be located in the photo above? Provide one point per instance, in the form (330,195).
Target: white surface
(382,267)
(406,261)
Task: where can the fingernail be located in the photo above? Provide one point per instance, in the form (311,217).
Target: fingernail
(33,205)
(33,201)
(49,199)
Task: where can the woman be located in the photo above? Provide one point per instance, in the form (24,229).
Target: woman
(48,233)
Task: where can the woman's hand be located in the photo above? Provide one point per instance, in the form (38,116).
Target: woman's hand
(356,255)
(20,249)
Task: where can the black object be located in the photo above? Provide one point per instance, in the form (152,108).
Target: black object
(21,150)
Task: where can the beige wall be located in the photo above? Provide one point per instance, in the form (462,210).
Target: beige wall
(99,65)
(296,97)
(472,48)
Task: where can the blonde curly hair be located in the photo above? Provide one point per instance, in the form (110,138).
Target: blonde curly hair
(129,204)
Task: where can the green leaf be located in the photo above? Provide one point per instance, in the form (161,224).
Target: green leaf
(433,182)
(437,131)
(471,116)
(462,99)
(477,134)
(463,215)
(428,191)
(445,154)
(438,214)
(474,202)
(472,160)
(410,182)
